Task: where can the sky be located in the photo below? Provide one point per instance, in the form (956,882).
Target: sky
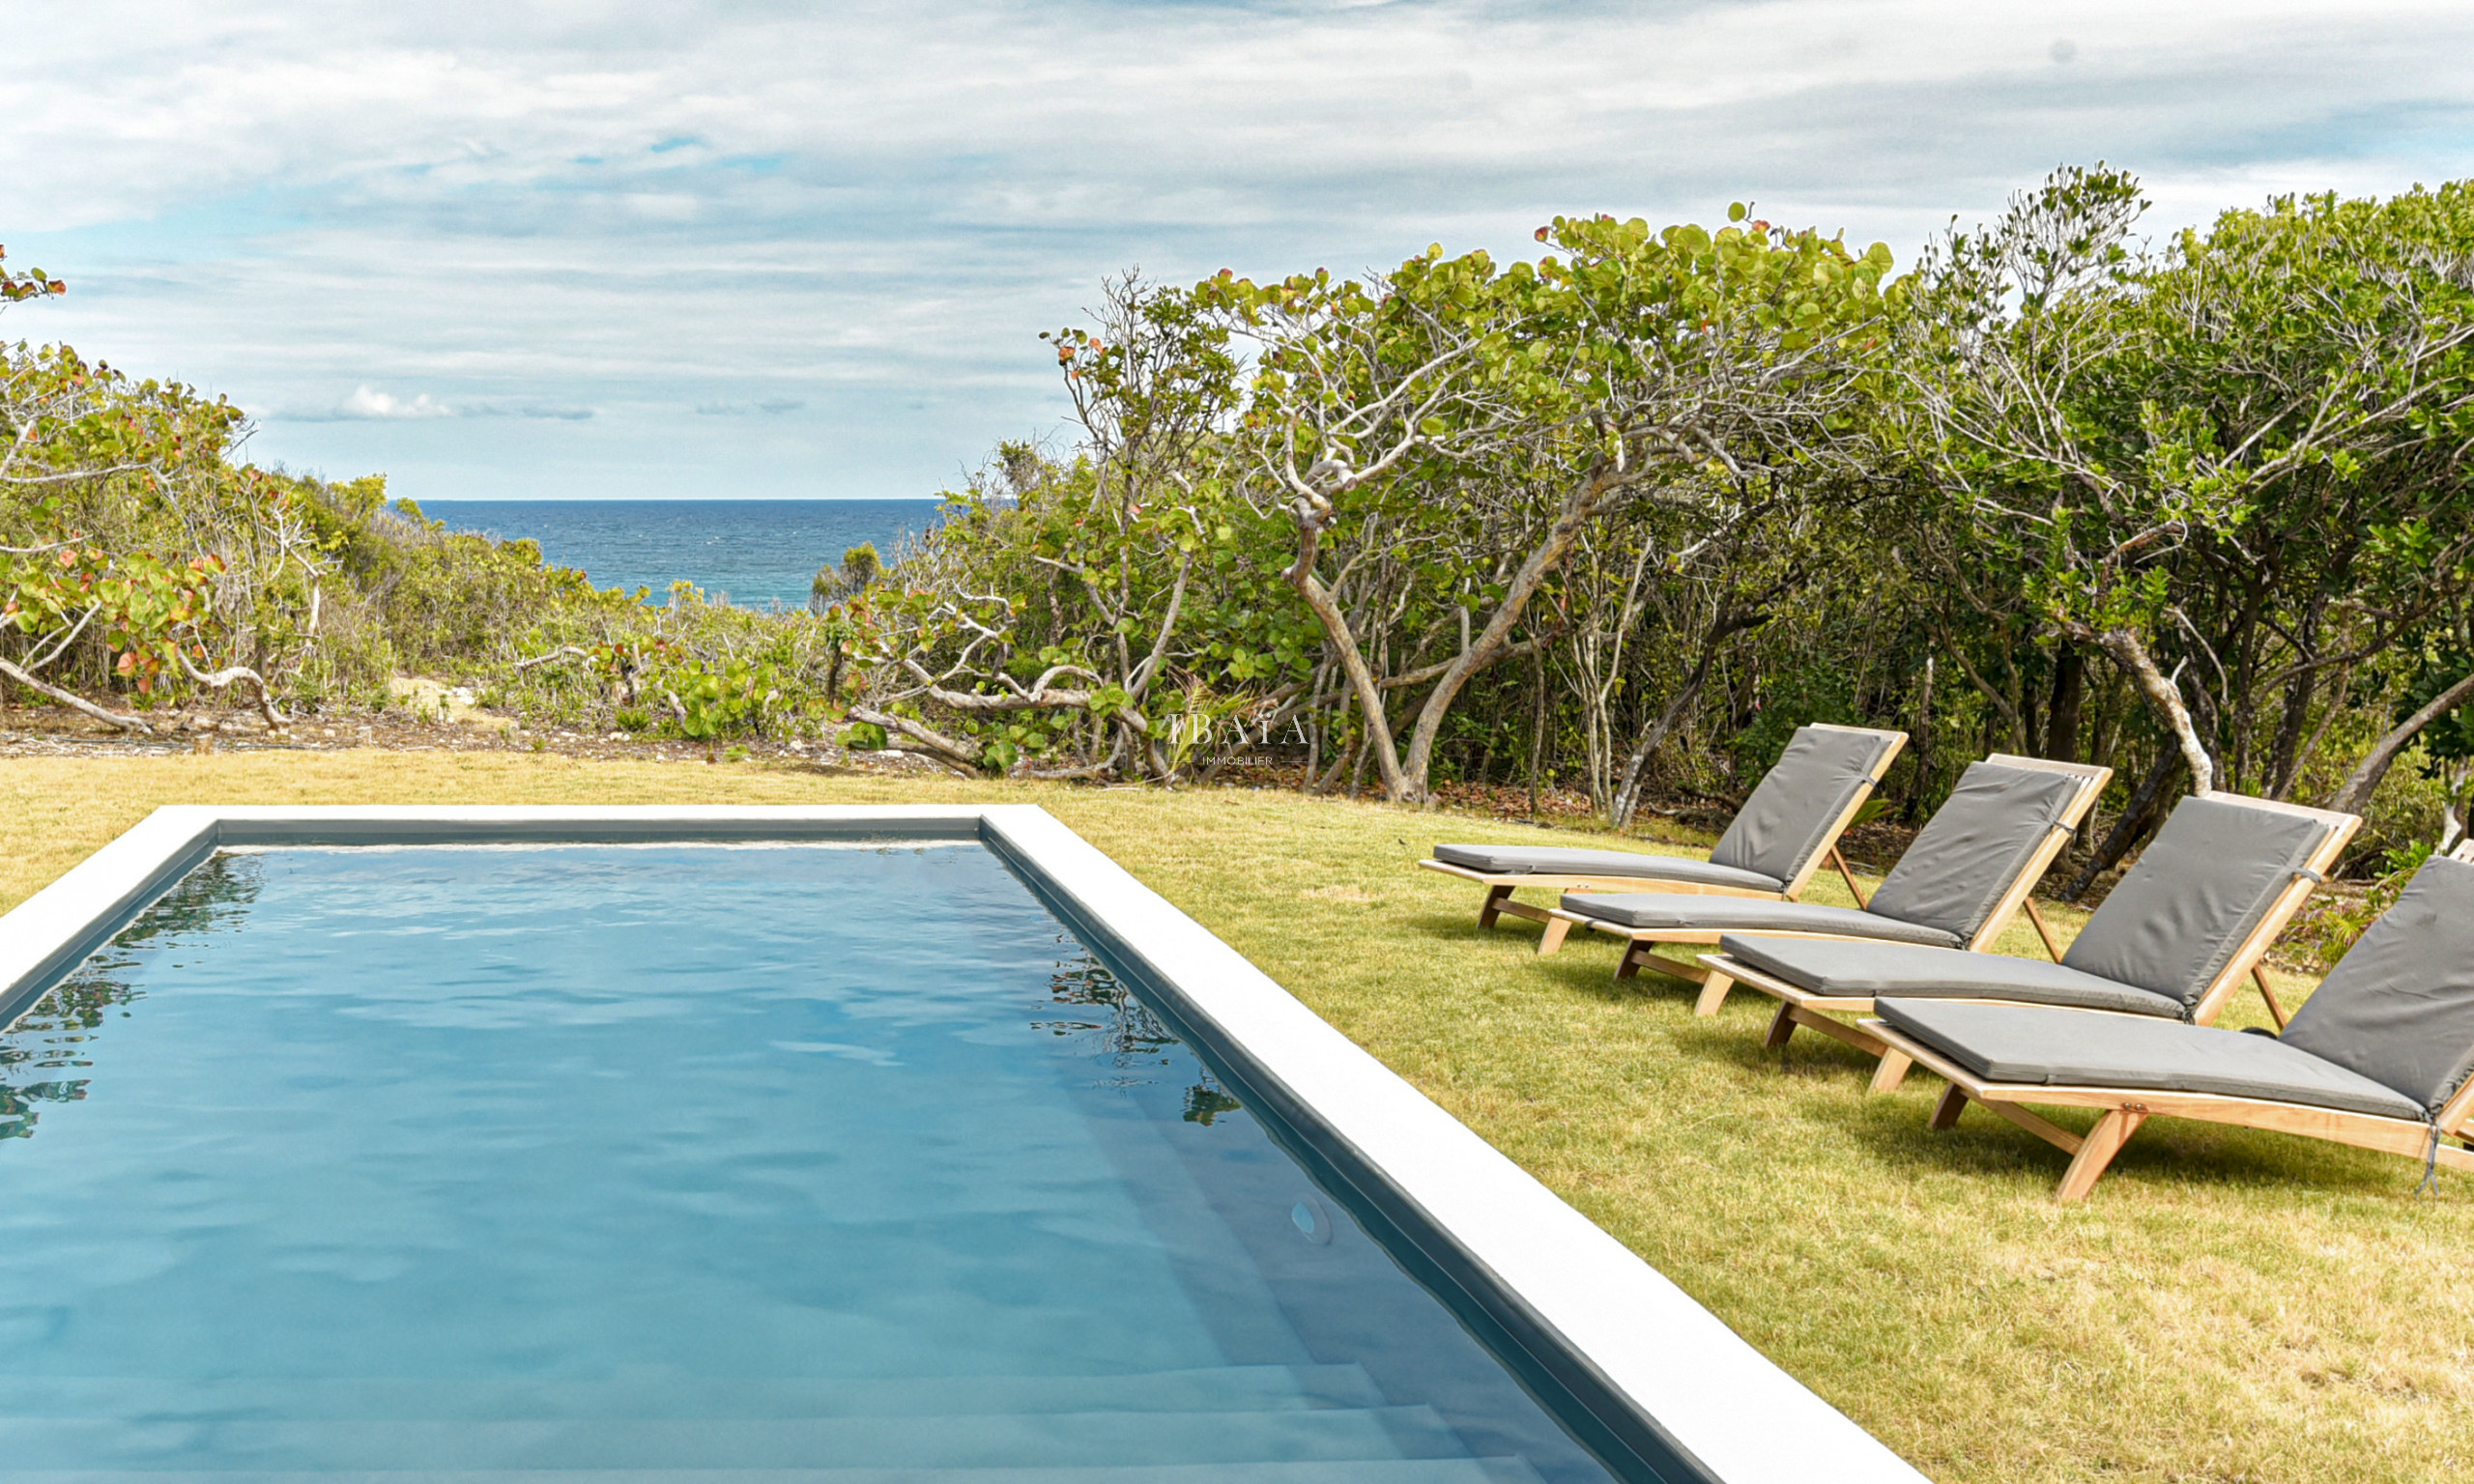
(740,248)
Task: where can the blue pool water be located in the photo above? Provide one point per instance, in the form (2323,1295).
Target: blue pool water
(755,552)
(640,1160)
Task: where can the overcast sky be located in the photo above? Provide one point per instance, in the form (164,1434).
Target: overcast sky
(629,249)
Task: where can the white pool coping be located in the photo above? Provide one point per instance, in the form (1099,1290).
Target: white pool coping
(1743,1419)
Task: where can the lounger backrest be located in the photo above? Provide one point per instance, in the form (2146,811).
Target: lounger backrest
(2399,1008)
(2200,888)
(1793,815)
(1971,853)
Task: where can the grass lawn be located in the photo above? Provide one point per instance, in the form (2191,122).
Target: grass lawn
(2231,1305)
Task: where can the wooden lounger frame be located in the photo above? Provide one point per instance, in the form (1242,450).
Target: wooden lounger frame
(1641,953)
(1798,1005)
(1498,903)
(2125,1109)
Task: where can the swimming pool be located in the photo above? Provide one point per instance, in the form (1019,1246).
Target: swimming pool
(886,1143)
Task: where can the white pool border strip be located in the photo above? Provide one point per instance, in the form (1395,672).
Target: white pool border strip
(1742,1417)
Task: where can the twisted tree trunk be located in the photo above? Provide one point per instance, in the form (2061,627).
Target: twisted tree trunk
(2158,690)
(223,678)
(74,702)
(1628,795)
(2353,795)
(1581,506)
(1311,521)
(2062,715)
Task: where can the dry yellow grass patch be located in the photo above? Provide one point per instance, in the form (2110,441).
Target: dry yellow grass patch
(2231,1305)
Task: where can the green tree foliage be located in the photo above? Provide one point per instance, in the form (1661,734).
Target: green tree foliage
(142,565)
(2214,453)
(1502,414)
(1114,612)
(104,481)
(1614,518)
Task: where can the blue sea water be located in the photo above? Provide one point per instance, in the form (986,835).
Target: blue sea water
(758,551)
(653,1161)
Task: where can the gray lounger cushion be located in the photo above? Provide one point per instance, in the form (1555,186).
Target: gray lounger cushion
(2199,890)
(2036,1045)
(1862,970)
(1974,847)
(2399,1008)
(1563,860)
(1745,914)
(1789,819)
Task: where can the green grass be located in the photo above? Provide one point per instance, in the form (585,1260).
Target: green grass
(2231,1305)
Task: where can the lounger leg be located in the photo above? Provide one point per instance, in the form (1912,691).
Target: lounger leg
(1713,993)
(2268,992)
(1945,1113)
(1493,906)
(2052,949)
(1892,1072)
(1781,1026)
(1643,953)
(1553,937)
(1853,889)
(2096,1151)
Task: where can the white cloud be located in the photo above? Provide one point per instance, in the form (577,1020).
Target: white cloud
(642,210)
(366,403)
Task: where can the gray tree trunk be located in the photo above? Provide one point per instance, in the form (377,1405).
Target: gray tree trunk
(2353,795)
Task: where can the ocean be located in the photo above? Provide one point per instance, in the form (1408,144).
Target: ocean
(755,551)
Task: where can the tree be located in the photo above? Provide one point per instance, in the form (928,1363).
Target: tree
(1093,617)
(860,567)
(79,443)
(2435,706)
(2229,419)
(1501,414)
(2447,722)
(1702,589)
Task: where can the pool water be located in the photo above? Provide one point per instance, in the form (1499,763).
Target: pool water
(803,1161)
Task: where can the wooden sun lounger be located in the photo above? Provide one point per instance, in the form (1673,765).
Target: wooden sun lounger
(1499,901)
(2123,1111)
(1822,1012)
(2378,1057)
(1640,951)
